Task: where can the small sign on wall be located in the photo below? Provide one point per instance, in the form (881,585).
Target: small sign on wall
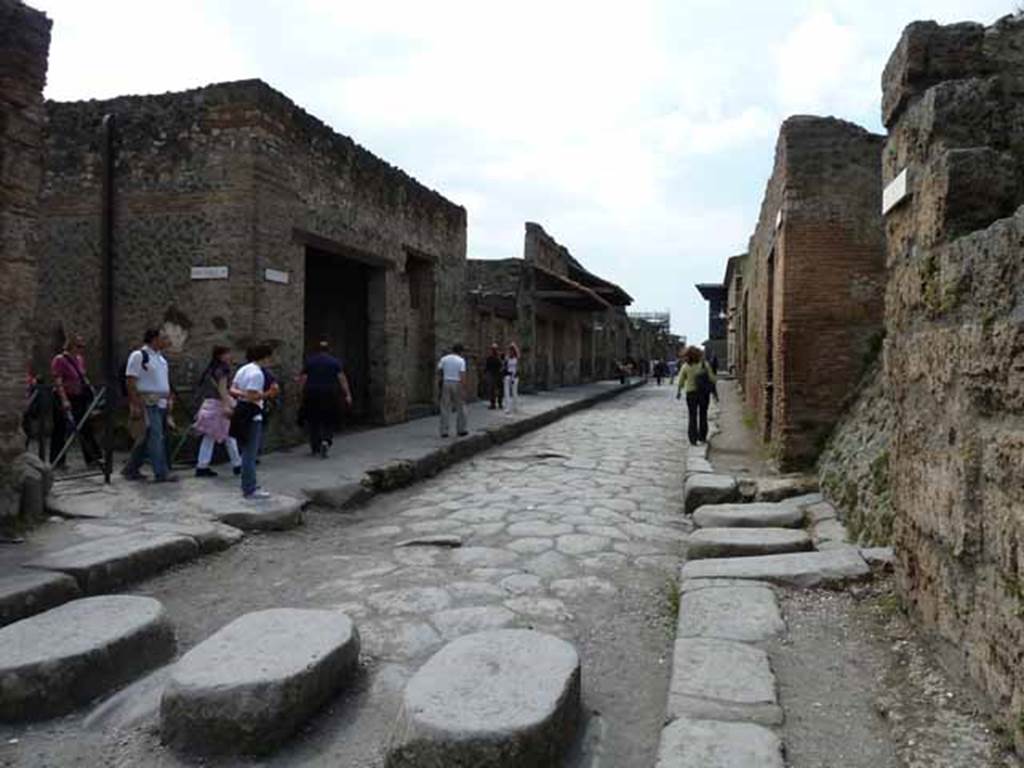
(209,273)
(277,276)
(895,192)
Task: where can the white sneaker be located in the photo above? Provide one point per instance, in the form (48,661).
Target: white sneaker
(258,495)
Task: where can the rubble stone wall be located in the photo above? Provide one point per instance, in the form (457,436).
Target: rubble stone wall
(954,353)
(24,47)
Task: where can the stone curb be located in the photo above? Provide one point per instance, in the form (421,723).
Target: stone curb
(402,473)
(27,592)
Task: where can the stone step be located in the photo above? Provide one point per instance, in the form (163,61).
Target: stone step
(745,542)
(748,614)
(113,561)
(62,659)
(779,488)
(689,743)
(249,686)
(27,592)
(278,513)
(508,698)
(754,515)
(703,488)
(722,680)
(800,569)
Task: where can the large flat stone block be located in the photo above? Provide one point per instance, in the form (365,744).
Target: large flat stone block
(722,680)
(250,685)
(688,743)
(110,562)
(278,513)
(28,592)
(745,542)
(779,488)
(507,698)
(756,515)
(62,659)
(748,614)
(799,569)
(706,488)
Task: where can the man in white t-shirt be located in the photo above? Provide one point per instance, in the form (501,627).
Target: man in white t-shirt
(249,388)
(149,402)
(452,368)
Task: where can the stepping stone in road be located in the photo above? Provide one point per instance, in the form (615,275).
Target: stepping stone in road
(278,513)
(501,699)
(110,562)
(748,516)
(705,488)
(722,680)
(779,488)
(745,542)
(748,614)
(27,592)
(249,686)
(798,569)
(62,659)
(211,537)
(688,743)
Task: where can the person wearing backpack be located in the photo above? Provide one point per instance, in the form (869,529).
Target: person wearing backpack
(72,396)
(698,381)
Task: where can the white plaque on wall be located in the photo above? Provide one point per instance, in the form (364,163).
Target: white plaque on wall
(209,273)
(276,276)
(895,192)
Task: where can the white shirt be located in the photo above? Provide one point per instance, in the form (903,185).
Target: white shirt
(250,377)
(154,378)
(453,366)
(512,365)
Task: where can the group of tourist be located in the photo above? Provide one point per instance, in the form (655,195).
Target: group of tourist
(501,384)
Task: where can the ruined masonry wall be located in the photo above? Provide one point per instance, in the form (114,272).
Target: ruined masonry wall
(954,353)
(24,46)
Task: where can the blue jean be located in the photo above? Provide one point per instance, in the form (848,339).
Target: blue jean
(250,451)
(152,445)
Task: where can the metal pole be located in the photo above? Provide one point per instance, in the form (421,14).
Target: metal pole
(107,249)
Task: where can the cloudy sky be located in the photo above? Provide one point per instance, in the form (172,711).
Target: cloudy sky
(640,133)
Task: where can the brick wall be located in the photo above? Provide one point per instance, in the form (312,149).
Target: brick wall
(24,45)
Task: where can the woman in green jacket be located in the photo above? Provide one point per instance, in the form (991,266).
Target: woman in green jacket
(698,380)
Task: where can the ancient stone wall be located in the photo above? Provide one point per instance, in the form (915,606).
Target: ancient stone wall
(235,175)
(817,256)
(24,46)
(954,350)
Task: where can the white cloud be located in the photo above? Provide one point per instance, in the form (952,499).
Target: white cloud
(815,60)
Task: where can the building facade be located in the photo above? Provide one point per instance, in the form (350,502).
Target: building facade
(811,294)
(716,343)
(238,217)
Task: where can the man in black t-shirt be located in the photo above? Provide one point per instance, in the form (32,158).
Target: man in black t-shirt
(493,378)
(324,386)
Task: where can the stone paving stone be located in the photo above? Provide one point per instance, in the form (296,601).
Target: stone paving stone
(522,584)
(689,743)
(822,510)
(608,531)
(692,585)
(211,537)
(779,488)
(444,540)
(748,614)
(476,515)
(538,528)
(483,557)
(249,686)
(531,545)
(722,680)
(56,661)
(474,590)
(550,565)
(699,465)
(398,638)
(456,622)
(108,563)
(411,600)
(745,542)
(278,513)
(829,531)
(583,586)
(604,561)
(547,607)
(704,488)
(582,543)
(26,592)
(879,557)
(658,562)
(508,698)
(798,569)
(755,515)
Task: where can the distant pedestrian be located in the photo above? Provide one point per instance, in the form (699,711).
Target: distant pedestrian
(72,396)
(213,421)
(452,368)
(150,401)
(659,371)
(697,379)
(249,389)
(493,378)
(324,388)
(512,379)
(713,362)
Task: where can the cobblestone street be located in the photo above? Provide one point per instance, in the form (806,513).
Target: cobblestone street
(575,530)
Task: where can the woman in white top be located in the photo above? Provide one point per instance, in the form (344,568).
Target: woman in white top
(512,379)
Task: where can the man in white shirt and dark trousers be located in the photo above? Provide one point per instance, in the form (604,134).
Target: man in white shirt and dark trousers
(249,387)
(453,383)
(149,399)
